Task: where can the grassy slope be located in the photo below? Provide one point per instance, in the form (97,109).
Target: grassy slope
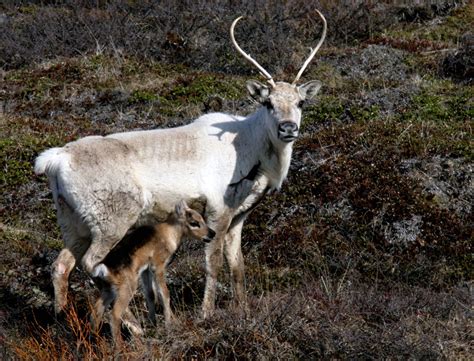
(365,252)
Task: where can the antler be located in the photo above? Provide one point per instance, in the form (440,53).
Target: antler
(247,56)
(313,53)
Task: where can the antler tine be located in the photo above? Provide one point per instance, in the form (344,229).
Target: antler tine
(313,53)
(247,56)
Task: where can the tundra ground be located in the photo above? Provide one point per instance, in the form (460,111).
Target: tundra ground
(366,252)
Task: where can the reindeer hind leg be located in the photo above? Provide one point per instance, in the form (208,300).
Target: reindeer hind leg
(76,241)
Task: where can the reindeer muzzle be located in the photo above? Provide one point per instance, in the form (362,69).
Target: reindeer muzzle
(288,131)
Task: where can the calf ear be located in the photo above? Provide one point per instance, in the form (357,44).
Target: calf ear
(309,89)
(190,215)
(180,209)
(258,91)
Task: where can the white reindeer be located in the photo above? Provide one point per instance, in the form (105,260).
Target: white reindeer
(143,252)
(220,164)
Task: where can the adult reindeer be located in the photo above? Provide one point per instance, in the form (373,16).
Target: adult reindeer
(221,164)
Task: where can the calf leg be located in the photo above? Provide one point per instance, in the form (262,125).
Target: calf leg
(102,303)
(165,295)
(122,300)
(101,244)
(147,284)
(131,322)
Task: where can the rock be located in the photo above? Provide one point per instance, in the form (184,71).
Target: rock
(460,64)
(447,182)
(405,231)
(379,62)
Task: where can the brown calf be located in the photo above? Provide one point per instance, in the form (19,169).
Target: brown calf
(145,251)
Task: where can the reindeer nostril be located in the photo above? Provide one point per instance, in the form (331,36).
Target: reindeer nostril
(288,127)
(287,131)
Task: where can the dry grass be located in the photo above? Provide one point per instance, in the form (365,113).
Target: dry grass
(359,321)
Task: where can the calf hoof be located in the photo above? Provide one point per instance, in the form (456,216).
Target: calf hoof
(132,323)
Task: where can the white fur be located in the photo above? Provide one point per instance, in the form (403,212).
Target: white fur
(50,161)
(101,271)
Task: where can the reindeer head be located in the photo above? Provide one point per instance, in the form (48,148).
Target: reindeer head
(282,100)
(193,223)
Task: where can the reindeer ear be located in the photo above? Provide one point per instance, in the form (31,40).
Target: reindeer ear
(258,91)
(309,89)
(181,208)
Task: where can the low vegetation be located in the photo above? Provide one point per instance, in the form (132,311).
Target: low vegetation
(365,253)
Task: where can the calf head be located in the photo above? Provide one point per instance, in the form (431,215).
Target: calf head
(194,225)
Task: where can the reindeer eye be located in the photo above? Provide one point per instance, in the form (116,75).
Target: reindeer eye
(194,224)
(268,104)
(300,104)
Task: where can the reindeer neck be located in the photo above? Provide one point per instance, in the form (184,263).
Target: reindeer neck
(274,155)
(278,164)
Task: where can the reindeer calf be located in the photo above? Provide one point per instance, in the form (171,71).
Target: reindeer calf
(145,250)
